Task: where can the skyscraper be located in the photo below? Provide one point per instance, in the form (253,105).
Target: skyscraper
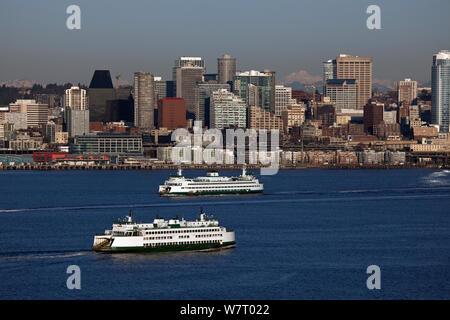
(76,113)
(263,95)
(144,100)
(283,98)
(187,61)
(203,93)
(358,68)
(343,93)
(226,68)
(227,110)
(407,91)
(440,90)
(160,88)
(101,93)
(77,121)
(328,72)
(75,98)
(187,78)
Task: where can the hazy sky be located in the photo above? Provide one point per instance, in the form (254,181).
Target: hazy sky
(292,37)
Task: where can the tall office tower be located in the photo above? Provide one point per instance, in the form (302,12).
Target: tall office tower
(373,116)
(272,87)
(226,68)
(406,91)
(187,78)
(264,91)
(440,90)
(36,113)
(75,98)
(227,110)
(203,93)
(283,98)
(343,93)
(77,121)
(187,61)
(101,94)
(171,113)
(359,68)
(144,100)
(160,88)
(328,72)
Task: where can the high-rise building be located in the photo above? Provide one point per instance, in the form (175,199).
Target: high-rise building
(358,68)
(263,92)
(187,77)
(343,93)
(75,98)
(160,88)
(144,100)
(293,116)
(373,116)
(227,110)
(77,121)
(36,113)
(172,113)
(406,91)
(226,68)
(283,98)
(203,93)
(187,61)
(440,90)
(101,94)
(328,72)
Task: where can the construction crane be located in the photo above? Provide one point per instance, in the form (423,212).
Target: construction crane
(117,80)
(313,112)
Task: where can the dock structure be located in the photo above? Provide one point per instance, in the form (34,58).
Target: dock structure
(48,167)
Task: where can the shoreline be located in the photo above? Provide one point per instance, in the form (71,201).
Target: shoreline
(112,167)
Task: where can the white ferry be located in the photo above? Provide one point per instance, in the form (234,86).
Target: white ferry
(212,184)
(162,235)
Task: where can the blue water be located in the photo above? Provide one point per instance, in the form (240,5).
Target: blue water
(310,236)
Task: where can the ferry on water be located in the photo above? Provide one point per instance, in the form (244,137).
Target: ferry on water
(212,184)
(161,235)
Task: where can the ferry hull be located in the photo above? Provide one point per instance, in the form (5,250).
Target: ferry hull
(191,247)
(205,193)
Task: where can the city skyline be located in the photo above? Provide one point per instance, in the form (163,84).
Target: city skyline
(40,48)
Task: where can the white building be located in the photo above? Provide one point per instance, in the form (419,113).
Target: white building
(440,92)
(75,98)
(283,98)
(227,110)
(37,113)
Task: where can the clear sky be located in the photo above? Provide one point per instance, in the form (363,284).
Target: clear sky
(292,37)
